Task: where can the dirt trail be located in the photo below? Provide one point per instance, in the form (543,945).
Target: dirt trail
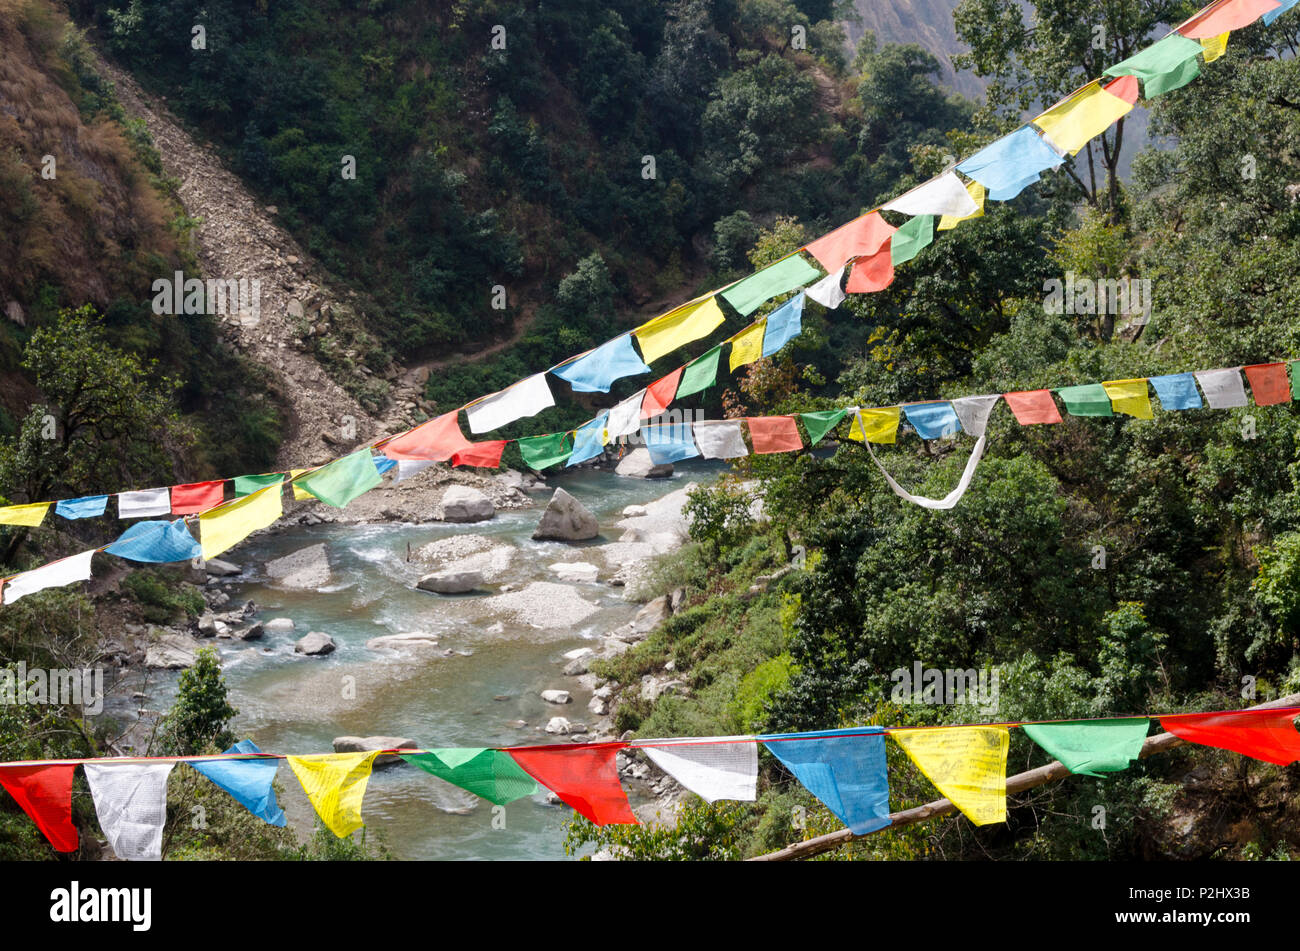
(237,238)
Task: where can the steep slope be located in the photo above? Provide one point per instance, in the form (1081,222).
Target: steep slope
(927,23)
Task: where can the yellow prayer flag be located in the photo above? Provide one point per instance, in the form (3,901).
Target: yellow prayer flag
(1129,396)
(28,515)
(748,347)
(875,425)
(1214,46)
(967,764)
(335,783)
(231,523)
(976,192)
(678,327)
(299,495)
(1069,125)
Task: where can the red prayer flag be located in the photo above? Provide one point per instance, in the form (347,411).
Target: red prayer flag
(584,775)
(45,793)
(1269,735)
(1125,87)
(660,393)
(1225,16)
(774,433)
(871,274)
(197,496)
(862,237)
(1033,406)
(435,441)
(484,454)
(1269,383)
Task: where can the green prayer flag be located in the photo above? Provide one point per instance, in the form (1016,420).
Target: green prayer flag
(821,422)
(342,480)
(542,451)
(1162,66)
(248,484)
(700,373)
(1092,747)
(784,275)
(907,242)
(488,774)
(1295,378)
(1090,399)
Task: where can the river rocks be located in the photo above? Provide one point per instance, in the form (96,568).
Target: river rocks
(315,643)
(578,571)
(305,568)
(399,641)
(364,744)
(522,481)
(461,503)
(566,520)
(207,624)
(171,652)
(542,605)
(633,511)
(488,557)
(278,625)
(251,633)
(652,687)
(451,582)
(557,696)
(637,464)
(217,568)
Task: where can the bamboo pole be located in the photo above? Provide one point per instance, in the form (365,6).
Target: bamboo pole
(1160,743)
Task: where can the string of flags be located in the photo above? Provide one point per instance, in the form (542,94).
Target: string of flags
(867,249)
(844,769)
(258,500)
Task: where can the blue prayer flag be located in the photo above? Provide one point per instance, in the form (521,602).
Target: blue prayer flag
(1177,391)
(669,442)
(383,464)
(156,542)
(845,769)
(247,780)
(1273,14)
(589,440)
(87,507)
(1006,166)
(596,372)
(932,420)
(783,324)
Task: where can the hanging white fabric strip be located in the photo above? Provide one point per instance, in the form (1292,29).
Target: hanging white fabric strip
(949,500)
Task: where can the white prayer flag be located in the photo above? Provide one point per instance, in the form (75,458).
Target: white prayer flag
(720,439)
(131,802)
(827,291)
(144,502)
(56,574)
(526,398)
(721,767)
(973,411)
(945,195)
(625,418)
(1223,388)
(409,467)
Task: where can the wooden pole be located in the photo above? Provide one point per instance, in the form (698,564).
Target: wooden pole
(1160,743)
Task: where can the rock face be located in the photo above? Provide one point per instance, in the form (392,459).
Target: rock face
(171,652)
(637,464)
(364,744)
(566,520)
(580,571)
(461,503)
(315,643)
(450,582)
(305,568)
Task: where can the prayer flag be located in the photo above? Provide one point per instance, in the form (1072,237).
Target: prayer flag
(228,524)
(977,193)
(409,467)
(1129,396)
(845,769)
(526,398)
(1214,46)
(131,803)
(1088,399)
(488,774)
(828,291)
(715,767)
(56,574)
(542,451)
(197,496)
(1125,87)
(1224,16)
(1268,383)
(875,425)
(1092,747)
(820,422)
(1162,66)
(678,327)
(1007,165)
(144,502)
(747,346)
(967,764)
(1033,406)
(336,784)
(625,418)
(1223,388)
(784,275)
(435,441)
(1268,735)
(700,373)
(1086,113)
(86,507)
(45,793)
(909,240)
(783,324)
(669,442)
(29,515)
(250,782)
(248,484)
(660,394)
(1277,11)
(872,274)
(774,434)
(484,455)
(342,480)
(582,775)
(1177,391)
(860,238)
(156,542)
(595,372)
(299,495)
(943,195)
(973,411)
(932,420)
(589,440)
(720,439)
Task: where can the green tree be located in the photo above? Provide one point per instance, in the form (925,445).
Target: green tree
(198,721)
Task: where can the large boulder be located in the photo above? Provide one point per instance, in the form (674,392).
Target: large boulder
(566,520)
(305,568)
(278,625)
(171,652)
(461,503)
(580,571)
(364,744)
(315,643)
(450,582)
(221,569)
(637,464)
(557,696)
